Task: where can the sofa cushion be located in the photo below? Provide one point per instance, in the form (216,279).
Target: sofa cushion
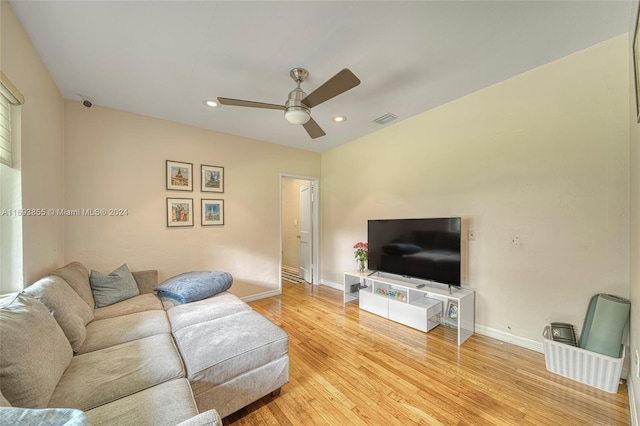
(166,404)
(34,352)
(77,276)
(218,350)
(119,285)
(242,390)
(67,307)
(142,303)
(218,306)
(47,416)
(208,418)
(103,376)
(194,286)
(3,401)
(114,331)
(146,280)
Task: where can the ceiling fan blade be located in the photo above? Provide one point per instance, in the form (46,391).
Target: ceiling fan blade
(313,129)
(336,85)
(250,104)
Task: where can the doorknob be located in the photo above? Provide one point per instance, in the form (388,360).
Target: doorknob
(298,236)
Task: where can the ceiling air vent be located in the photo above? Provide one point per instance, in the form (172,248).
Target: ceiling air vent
(385,118)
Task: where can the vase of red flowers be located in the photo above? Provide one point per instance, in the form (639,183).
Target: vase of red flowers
(361,252)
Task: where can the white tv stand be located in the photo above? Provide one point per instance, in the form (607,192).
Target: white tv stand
(401,300)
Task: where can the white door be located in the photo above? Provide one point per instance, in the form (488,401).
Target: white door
(305,237)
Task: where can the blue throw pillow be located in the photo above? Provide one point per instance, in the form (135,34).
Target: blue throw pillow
(115,287)
(48,416)
(193,286)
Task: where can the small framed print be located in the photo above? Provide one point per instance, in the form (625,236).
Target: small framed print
(212,212)
(179,212)
(451,313)
(179,176)
(212,178)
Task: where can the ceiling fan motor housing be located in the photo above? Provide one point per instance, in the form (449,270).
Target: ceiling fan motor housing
(296,112)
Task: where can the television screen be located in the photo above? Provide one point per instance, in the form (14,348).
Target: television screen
(420,248)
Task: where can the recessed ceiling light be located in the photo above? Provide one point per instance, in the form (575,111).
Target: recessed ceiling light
(211,103)
(339,118)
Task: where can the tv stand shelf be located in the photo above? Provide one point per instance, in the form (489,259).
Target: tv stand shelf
(401,300)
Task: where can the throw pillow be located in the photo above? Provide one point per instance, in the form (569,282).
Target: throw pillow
(193,286)
(66,306)
(34,352)
(77,276)
(119,285)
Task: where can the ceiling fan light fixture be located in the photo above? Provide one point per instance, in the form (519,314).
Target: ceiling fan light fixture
(297,115)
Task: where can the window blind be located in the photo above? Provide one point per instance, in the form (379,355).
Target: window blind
(5,131)
(9,95)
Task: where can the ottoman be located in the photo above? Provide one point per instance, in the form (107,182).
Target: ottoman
(232,360)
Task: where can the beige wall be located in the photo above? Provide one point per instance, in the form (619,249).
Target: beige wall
(634,246)
(290,221)
(542,157)
(117,159)
(42,142)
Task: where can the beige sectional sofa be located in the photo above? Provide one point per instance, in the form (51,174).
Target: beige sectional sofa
(138,361)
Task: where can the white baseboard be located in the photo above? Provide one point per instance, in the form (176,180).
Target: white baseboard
(510,338)
(332,285)
(261,295)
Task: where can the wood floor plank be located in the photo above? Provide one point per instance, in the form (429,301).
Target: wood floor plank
(350,367)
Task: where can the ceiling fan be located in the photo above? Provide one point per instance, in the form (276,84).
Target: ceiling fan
(297,108)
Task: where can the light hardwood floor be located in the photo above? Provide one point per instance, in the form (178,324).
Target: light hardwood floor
(351,367)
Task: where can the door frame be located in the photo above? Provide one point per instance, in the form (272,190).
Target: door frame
(315,228)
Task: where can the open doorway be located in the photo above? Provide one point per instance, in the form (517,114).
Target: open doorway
(299,229)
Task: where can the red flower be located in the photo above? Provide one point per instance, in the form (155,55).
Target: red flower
(361,251)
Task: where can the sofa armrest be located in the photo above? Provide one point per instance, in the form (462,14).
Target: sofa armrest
(208,418)
(146,280)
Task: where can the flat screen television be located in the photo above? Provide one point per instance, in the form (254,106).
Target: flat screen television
(420,248)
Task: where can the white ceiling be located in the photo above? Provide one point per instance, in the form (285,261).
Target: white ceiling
(162,59)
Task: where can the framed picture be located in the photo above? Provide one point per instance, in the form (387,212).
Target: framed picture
(451,313)
(179,212)
(179,176)
(212,178)
(636,64)
(212,212)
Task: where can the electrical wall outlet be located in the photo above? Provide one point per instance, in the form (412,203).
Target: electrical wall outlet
(515,241)
(472,235)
